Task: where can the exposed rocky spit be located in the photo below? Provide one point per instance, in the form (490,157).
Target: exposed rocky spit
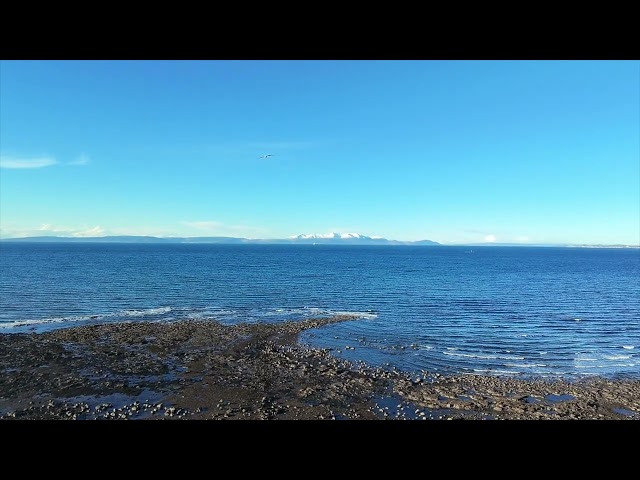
(205,370)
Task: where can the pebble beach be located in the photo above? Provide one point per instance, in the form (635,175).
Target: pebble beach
(203,370)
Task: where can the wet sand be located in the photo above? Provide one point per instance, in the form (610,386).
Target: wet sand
(204,370)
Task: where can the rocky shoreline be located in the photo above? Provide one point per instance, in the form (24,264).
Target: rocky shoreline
(204,370)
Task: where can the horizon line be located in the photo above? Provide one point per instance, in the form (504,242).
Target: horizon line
(323,240)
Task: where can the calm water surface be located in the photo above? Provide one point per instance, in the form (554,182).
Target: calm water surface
(520,311)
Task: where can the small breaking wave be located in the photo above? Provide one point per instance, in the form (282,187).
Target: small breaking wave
(525,365)
(617,357)
(605,366)
(364,315)
(143,313)
(74,319)
(497,372)
(484,357)
(161,314)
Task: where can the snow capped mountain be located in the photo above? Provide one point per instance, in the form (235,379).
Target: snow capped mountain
(310,239)
(333,235)
(350,239)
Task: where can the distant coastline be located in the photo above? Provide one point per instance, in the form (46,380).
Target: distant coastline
(299,240)
(360,240)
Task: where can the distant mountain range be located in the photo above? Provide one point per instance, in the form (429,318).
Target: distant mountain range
(329,239)
(350,239)
(308,239)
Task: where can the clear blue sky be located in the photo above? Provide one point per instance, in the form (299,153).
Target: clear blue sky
(451,151)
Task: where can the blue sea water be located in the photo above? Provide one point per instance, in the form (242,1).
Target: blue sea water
(514,311)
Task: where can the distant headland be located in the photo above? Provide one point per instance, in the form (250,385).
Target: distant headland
(303,239)
(329,239)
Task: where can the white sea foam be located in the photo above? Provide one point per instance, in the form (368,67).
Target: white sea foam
(608,365)
(19,323)
(303,311)
(280,313)
(488,357)
(211,313)
(142,313)
(525,365)
(315,311)
(617,357)
(221,311)
(479,371)
(41,321)
(367,315)
(84,318)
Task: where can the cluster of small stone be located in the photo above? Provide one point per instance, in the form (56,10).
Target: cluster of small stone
(261,372)
(103,411)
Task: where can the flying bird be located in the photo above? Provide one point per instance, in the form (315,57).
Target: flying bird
(266,156)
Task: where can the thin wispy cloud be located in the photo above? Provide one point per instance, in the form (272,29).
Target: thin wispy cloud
(47,228)
(37,162)
(144,230)
(96,231)
(205,225)
(81,160)
(212,227)
(497,237)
